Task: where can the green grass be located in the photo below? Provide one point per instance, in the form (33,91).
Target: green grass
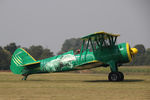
(125,69)
(74,86)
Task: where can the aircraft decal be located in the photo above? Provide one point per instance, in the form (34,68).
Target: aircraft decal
(59,63)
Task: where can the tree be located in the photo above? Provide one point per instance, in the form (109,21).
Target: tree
(148,51)
(147,60)
(38,52)
(5,57)
(46,54)
(11,47)
(141,49)
(35,51)
(71,44)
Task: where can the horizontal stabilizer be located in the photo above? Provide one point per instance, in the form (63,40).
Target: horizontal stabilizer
(31,65)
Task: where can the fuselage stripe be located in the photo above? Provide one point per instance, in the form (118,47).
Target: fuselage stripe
(15,62)
(18,59)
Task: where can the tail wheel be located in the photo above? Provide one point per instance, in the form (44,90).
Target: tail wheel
(24,76)
(114,76)
(121,76)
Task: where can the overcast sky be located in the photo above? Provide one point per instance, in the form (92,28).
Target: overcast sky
(51,22)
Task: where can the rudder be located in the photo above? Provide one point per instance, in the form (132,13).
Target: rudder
(20,58)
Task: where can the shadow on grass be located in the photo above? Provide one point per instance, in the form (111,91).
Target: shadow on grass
(76,81)
(127,80)
(57,81)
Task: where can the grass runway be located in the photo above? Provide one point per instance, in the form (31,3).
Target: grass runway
(74,86)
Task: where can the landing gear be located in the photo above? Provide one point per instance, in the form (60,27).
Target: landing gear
(25,76)
(121,76)
(113,76)
(116,76)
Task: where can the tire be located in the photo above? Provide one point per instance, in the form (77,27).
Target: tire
(23,78)
(114,76)
(121,76)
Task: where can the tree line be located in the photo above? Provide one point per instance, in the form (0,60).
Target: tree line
(39,52)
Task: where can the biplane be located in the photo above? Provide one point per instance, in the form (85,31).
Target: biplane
(98,50)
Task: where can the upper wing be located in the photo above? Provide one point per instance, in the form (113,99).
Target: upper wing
(103,35)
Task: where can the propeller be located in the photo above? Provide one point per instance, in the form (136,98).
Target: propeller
(133,51)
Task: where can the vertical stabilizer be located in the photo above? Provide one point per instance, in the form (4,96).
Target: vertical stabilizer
(20,58)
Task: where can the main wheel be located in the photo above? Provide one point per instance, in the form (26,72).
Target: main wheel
(114,76)
(121,76)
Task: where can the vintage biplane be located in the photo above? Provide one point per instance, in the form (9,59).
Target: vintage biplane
(98,50)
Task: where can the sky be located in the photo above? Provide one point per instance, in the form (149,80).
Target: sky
(50,22)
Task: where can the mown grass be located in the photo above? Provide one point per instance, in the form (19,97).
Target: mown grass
(125,69)
(74,86)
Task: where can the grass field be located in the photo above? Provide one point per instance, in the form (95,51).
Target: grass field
(75,86)
(125,69)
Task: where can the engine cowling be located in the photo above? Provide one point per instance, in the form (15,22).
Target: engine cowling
(126,52)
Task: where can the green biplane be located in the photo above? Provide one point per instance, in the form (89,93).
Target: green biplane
(98,50)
